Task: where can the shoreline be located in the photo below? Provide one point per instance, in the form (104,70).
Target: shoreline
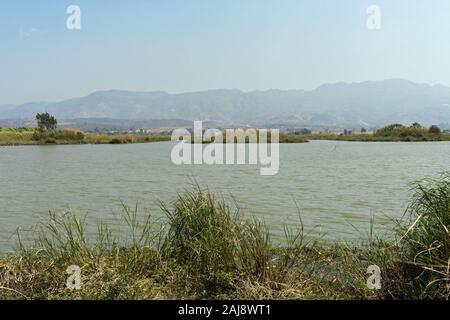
(288,139)
(76,143)
(374,138)
(34,137)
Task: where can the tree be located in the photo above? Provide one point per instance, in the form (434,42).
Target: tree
(363,130)
(46,121)
(434,130)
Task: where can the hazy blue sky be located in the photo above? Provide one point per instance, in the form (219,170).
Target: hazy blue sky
(189,45)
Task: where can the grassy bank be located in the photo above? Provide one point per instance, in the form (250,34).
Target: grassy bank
(391,133)
(292,138)
(283,138)
(369,137)
(206,250)
(30,136)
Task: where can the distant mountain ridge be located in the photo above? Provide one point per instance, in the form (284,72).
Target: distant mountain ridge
(370,103)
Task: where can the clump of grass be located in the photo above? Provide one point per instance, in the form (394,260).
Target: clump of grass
(102,138)
(218,244)
(426,242)
(202,236)
(61,136)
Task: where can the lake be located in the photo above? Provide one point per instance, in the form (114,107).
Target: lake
(335,186)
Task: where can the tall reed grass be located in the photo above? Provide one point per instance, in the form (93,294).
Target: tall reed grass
(426,242)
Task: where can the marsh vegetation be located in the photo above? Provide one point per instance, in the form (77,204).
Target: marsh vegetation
(32,136)
(390,133)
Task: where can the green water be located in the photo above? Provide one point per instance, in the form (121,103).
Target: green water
(336,185)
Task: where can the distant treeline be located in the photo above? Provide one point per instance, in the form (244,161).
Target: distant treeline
(416,130)
(392,132)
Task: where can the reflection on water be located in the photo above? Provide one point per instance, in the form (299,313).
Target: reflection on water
(336,185)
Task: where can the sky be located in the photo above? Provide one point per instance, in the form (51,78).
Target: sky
(194,45)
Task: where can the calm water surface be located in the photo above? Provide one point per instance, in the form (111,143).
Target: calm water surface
(336,185)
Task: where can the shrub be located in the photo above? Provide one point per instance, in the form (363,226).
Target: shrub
(39,135)
(399,130)
(434,130)
(80,135)
(203,237)
(115,141)
(70,135)
(66,134)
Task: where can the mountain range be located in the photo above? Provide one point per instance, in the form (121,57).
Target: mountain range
(371,103)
